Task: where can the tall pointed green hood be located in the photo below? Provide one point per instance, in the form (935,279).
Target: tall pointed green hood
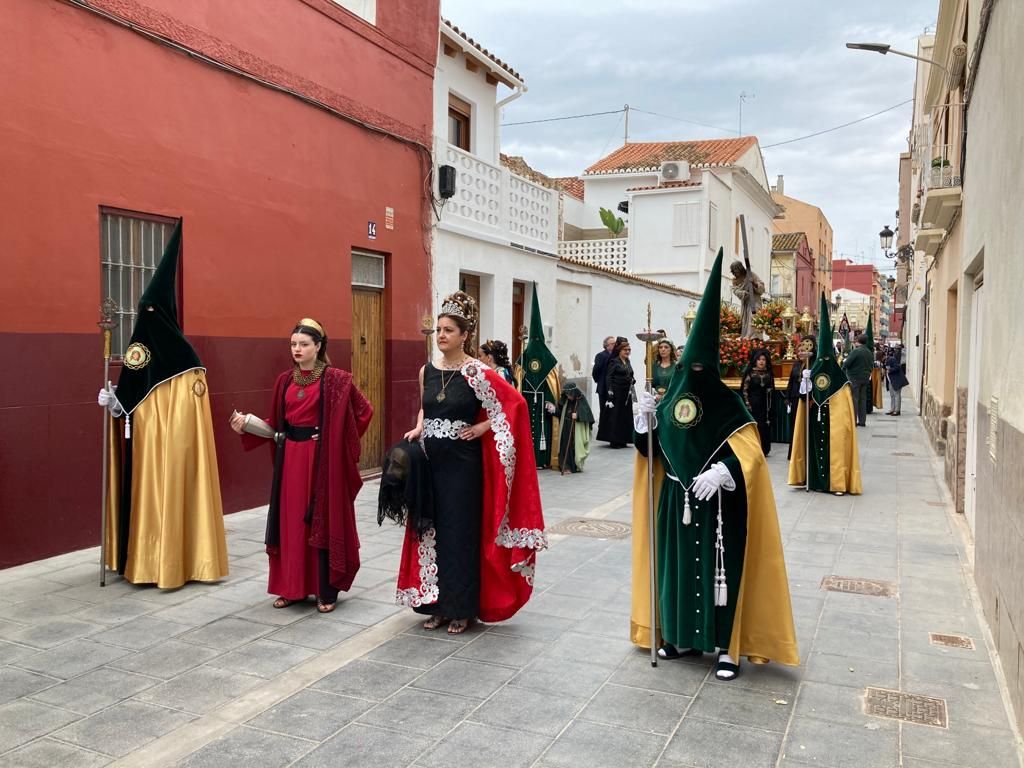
(870,332)
(698,413)
(826,375)
(158,349)
(538,361)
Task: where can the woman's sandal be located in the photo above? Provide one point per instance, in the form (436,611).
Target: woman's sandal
(726,670)
(323,607)
(458,626)
(670,652)
(434,622)
(282,602)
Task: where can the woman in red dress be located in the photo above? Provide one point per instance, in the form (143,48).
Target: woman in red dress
(318,416)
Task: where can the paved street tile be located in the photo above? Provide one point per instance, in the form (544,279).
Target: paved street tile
(502,649)
(718,745)
(840,704)
(47,753)
(636,709)
(114,612)
(364,612)
(414,651)
(681,676)
(727,703)
(602,746)
(842,745)
(366,747)
(245,747)
(314,632)
(24,720)
(263,658)
(851,671)
(16,683)
(265,612)
(534,626)
(421,713)
(487,746)
(310,714)
(227,633)
(960,746)
(33,611)
(602,651)
(123,728)
(11,652)
(967,673)
(95,690)
(465,678)
(50,633)
(523,709)
(200,690)
(166,660)
(140,633)
(570,678)
(368,679)
(72,659)
(198,611)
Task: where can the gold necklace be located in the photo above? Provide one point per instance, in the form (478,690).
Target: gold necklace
(444,384)
(303,378)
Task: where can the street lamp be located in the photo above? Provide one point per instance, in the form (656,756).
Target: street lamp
(884,48)
(885,238)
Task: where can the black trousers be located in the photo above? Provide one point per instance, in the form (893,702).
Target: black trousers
(861,392)
(326,593)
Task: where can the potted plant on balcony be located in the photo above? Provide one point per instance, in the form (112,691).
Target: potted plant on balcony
(942,172)
(614,224)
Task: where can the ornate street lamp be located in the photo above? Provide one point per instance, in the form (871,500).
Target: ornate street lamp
(788,316)
(885,237)
(690,316)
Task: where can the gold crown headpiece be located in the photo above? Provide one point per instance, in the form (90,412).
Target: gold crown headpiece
(309,322)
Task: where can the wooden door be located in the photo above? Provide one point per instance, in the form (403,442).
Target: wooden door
(368,369)
(518,319)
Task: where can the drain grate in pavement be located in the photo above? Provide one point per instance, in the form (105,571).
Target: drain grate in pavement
(892,436)
(902,453)
(588,526)
(951,641)
(872,587)
(908,707)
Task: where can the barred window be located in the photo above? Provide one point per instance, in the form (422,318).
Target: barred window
(131,245)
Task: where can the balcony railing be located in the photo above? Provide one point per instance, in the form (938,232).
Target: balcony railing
(493,202)
(611,253)
(942,171)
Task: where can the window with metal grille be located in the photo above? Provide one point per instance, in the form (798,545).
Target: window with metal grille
(367,270)
(131,245)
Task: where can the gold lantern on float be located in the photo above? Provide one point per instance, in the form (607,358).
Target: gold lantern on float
(788,316)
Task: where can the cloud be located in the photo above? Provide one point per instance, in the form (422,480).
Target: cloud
(690,59)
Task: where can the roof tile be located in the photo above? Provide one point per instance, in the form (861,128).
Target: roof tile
(483,50)
(650,155)
(787,241)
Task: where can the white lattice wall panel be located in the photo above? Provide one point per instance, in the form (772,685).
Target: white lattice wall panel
(604,253)
(532,212)
(478,187)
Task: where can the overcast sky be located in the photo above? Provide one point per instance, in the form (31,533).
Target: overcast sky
(691,59)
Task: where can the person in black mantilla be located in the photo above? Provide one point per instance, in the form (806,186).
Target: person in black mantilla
(616,425)
(576,422)
(758,388)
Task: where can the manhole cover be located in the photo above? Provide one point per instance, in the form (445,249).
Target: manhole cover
(872,587)
(908,707)
(951,641)
(902,453)
(588,526)
(892,436)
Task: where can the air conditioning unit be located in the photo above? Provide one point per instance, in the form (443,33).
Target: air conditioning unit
(674,170)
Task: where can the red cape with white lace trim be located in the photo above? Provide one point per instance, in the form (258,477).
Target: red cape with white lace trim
(512,530)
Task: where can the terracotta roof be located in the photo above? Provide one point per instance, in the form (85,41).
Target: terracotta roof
(482,50)
(665,185)
(650,155)
(571,185)
(629,276)
(787,241)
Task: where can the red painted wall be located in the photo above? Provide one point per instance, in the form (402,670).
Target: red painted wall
(856,277)
(274,194)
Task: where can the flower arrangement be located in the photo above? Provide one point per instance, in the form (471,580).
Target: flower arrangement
(768,319)
(734,354)
(729,320)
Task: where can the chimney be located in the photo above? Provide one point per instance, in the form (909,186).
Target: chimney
(779,186)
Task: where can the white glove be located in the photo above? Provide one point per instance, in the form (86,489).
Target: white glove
(106,397)
(707,483)
(805,381)
(644,413)
(609,404)
(647,403)
(549,407)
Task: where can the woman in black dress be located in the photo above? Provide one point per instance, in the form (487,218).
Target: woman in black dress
(616,425)
(758,388)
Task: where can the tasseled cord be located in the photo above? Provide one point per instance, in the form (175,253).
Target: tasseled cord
(543,437)
(687,514)
(721,588)
(127,426)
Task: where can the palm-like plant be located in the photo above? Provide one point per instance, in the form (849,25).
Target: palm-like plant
(612,223)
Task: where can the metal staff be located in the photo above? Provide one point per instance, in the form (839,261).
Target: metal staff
(649,337)
(807,435)
(107,323)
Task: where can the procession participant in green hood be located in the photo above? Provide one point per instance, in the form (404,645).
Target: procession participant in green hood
(720,567)
(576,422)
(829,441)
(164,505)
(536,377)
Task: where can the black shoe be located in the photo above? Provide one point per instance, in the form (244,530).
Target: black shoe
(669,651)
(726,671)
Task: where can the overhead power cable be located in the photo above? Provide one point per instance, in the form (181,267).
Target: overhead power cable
(837,127)
(683,120)
(567,117)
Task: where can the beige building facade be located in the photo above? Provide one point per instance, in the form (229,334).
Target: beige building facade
(798,216)
(961,289)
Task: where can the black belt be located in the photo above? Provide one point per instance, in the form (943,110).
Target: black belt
(300,434)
